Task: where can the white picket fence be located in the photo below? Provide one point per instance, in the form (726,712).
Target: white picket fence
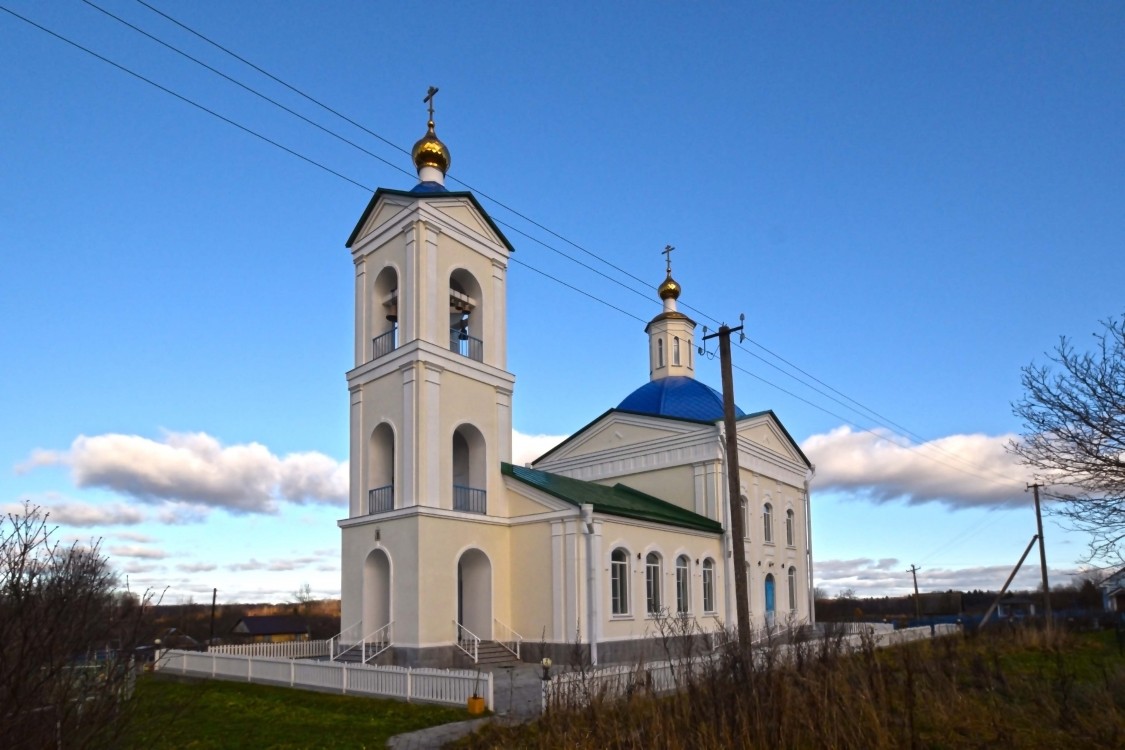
(449,686)
(572,689)
(286,650)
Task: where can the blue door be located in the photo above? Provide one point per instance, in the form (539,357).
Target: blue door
(770,600)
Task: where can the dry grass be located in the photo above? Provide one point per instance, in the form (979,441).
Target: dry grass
(1021,688)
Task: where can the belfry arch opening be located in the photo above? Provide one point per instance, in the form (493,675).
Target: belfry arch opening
(474,594)
(381,470)
(382,324)
(466,315)
(470,478)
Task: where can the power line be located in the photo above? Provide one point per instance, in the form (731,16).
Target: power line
(847,402)
(521,232)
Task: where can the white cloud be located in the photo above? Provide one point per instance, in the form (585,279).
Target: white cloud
(527,448)
(133,550)
(889,577)
(132,536)
(960,471)
(74,513)
(196,469)
(199,567)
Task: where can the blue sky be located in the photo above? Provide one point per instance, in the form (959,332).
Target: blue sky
(907,201)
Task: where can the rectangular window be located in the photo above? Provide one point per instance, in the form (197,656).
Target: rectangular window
(652,584)
(683,592)
(619,583)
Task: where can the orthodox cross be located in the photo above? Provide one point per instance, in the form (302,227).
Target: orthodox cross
(667,253)
(430,99)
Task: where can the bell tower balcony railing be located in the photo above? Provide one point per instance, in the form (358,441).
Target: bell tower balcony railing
(381,499)
(469,499)
(384,343)
(466,345)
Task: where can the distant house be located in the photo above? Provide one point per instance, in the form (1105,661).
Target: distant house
(1015,607)
(272,628)
(1113,592)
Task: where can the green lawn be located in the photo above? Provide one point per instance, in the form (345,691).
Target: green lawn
(217,714)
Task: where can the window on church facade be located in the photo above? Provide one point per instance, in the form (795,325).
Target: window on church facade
(767,523)
(789,535)
(745,504)
(659,352)
(792,589)
(676,350)
(619,581)
(683,587)
(652,583)
(708,585)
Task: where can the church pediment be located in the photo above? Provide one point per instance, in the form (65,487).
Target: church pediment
(464,214)
(616,431)
(381,210)
(765,431)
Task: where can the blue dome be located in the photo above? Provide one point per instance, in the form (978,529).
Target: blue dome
(678,396)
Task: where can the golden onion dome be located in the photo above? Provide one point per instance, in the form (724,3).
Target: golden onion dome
(429,151)
(670,289)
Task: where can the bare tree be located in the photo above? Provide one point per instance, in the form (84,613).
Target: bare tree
(67,638)
(1073,411)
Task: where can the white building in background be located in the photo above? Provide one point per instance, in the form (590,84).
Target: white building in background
(447,546)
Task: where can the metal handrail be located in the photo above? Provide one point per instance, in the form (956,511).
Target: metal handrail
(380,640)
(465,345)
(384,343)
(470,499)
(381,499)
(467,637)
(336,641)
(504,635)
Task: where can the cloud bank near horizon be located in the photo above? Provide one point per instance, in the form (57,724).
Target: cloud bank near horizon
(958,471)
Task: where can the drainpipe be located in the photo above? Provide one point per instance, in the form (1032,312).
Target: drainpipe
(808,545)
(592,614)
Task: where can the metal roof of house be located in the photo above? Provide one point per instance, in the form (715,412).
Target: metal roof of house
(270,625)
(618,500)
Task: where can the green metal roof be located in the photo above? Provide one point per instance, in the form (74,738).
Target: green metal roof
(617,500)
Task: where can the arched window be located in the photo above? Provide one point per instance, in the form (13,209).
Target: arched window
(792,589)
(466,316)
(469,477)
(652,583)
(676,350)
(708,585)
(619,581)
(660,352)
(683,587)
(767,523)
(789,536)
(745,504)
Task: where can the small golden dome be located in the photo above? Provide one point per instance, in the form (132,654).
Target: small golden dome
(429,151)
(670,289)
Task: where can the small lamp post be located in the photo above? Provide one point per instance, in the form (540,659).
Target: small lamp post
(545,663)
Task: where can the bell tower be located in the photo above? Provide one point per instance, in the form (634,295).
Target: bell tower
(430,396)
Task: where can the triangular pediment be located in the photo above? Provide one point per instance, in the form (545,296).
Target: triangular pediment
(616,431)
(382,210)
(765,431)
(466,215)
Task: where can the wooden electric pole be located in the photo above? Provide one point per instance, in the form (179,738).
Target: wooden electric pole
(1042,556)
(734,504)
(917,602)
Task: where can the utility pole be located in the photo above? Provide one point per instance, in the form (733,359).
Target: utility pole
(211,639)
(1042,556)
(917,602)
(734,505)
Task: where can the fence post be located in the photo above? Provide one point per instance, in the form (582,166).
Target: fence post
(249,668)
(292,673)
(213,657)
(409,683)
(491,706)
(344,680)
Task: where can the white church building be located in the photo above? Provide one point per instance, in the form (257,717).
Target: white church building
(449,549)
